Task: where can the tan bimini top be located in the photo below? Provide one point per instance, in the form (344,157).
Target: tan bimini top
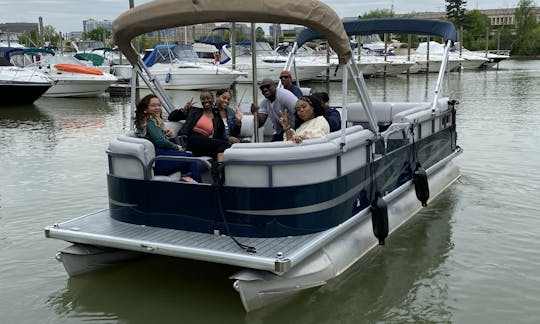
(163,14)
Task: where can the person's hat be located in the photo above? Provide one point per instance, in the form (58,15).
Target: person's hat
(265,82)
(286,73)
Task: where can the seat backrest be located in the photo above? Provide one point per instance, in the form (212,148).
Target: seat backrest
(127,159)
(249,167)
(382,111)
(149,150)
(357,149)
(174,126)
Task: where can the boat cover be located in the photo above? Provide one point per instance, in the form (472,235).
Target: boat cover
(30,51)
(163,14)
(96,59)
(168,53)
(354,26)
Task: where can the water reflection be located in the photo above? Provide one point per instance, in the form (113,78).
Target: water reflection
(26,116)
(172,289)
(405,281)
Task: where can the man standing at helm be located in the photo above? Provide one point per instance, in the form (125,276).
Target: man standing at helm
(276,100)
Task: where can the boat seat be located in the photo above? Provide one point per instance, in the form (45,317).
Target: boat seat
(141,151)
(174,126)
(247,167)
(241,159)
(384,111)
(357,150)
(328,137)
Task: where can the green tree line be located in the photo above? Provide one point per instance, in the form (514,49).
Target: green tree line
(522,39)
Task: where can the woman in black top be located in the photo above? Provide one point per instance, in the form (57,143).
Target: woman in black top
(204,128)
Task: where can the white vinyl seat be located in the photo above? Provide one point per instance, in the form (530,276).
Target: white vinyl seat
(130,157)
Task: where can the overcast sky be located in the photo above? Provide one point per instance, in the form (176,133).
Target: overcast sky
(67,15)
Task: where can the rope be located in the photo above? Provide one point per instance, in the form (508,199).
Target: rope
(247,248)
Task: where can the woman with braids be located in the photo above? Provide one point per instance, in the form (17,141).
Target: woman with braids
(149,125)
(310,112)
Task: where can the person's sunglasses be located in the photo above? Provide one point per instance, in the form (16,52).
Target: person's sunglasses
(266,86)
(284,77)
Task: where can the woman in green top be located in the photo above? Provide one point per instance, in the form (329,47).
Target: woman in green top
(149,125)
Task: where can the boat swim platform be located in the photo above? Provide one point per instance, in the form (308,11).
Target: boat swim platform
(276,254)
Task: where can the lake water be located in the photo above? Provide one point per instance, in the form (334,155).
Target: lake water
(471,256)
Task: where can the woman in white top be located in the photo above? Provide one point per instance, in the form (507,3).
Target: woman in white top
(310,111)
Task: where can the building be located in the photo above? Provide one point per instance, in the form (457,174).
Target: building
(497,17)
(91,24)
(188,34)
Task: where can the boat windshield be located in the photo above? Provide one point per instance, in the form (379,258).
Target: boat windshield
(60,59)
(263,49)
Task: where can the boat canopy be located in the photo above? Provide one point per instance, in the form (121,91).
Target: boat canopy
(163,14)
(30,51)
(354,26)
(96,59)
(169,53)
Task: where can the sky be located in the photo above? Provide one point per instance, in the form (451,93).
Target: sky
(67,15)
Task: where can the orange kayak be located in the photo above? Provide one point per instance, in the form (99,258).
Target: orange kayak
(67,67)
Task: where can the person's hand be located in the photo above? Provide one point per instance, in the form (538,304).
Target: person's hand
(254,108)
(169,133)
(233,139)
(238,114)
(284,119)
(188,104)
(180,148)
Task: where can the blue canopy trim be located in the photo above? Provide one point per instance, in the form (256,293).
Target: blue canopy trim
(354,26)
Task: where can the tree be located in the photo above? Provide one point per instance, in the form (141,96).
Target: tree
(526,41)
(259,34)
(30,39)
(98,34)
(455,11)
(474,30)
(378,13)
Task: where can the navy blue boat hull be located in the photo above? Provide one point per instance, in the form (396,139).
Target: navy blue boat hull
(270,212)
(21,93)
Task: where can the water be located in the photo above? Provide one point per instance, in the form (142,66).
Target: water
(470,257)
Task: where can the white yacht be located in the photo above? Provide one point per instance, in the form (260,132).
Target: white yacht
(270,63)
(177,67)
(17,85)
(72,77)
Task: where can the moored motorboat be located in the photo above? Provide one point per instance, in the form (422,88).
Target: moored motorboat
(270,63)
(177,67)
(72,78)
(293,216)
(19,86)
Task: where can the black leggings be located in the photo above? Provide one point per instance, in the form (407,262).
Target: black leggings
(201,145)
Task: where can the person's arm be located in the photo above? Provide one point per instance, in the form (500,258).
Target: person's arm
(157,137)
(181,113)
(334,119)
(262,115)
(234,121)
(177,115)
(318,128)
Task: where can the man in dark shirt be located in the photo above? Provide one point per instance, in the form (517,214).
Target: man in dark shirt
(331,114)
(286,80)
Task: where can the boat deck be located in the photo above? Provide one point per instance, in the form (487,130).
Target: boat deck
(102,230)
